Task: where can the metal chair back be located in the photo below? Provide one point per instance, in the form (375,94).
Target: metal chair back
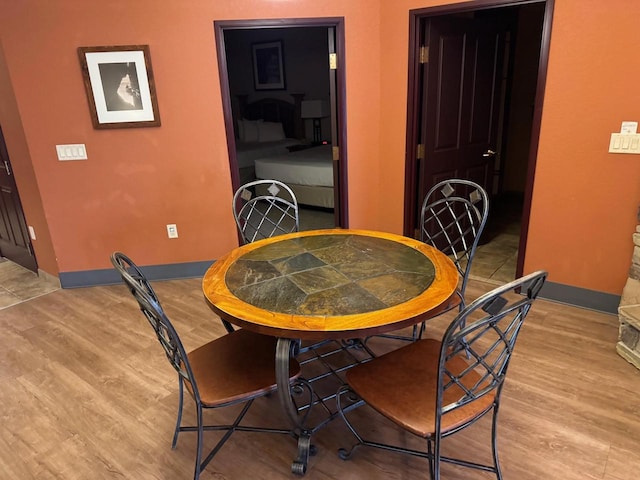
(150,306)
(265,208)
(453,216)
(483,335)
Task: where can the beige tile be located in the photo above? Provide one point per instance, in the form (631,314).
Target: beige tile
(483,270)
(489,258)
(506,272)
(17,284)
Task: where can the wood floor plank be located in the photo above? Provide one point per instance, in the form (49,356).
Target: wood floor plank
(87,393)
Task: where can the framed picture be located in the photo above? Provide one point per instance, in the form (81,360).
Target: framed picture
(268,69)
(119,84)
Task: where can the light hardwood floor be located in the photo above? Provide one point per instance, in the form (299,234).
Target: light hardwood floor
(88,394)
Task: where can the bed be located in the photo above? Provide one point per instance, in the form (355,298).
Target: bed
(265,127)
(308,172)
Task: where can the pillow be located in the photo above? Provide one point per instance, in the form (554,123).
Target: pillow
(249,130)
(270,132)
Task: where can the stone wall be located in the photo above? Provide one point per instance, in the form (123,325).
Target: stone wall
(629,311)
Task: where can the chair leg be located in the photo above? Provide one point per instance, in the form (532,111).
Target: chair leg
(436,457)
(179,419)
(227,434)
(494,442)
(196,474)
(430,457)
(418,331)
(343,453)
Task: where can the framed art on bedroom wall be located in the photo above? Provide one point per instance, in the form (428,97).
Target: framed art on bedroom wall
(268,66)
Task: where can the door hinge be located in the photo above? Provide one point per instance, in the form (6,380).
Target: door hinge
(336,153)
(333,61)
(420,151)
(424,54)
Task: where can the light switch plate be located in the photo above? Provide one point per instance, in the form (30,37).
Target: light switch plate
(74,151)
(625,143)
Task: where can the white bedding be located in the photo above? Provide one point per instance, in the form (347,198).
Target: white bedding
(247,152)
(312,166)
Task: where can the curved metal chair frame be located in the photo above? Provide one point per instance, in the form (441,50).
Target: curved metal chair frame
(182,362)
(453,216)
(261,215)
(451,383)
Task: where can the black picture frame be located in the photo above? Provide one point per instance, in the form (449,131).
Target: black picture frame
(268,66)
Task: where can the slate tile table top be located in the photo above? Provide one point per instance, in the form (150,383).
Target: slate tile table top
(335,283)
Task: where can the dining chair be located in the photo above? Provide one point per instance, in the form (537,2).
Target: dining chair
(265,208)
(433,389)
(235,368)
(453,215)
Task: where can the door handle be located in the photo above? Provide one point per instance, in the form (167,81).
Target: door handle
(489,153)
(6,167)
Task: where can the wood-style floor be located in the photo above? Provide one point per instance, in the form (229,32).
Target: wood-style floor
(87,393)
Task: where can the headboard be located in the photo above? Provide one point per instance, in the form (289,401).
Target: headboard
(275,110)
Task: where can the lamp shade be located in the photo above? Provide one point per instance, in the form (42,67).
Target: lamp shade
(314,109)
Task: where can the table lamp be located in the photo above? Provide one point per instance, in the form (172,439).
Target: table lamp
(315,110)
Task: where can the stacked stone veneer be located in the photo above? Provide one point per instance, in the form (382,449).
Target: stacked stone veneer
(629,311)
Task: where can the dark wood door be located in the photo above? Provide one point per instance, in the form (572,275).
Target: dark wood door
(15,243)
(462,77)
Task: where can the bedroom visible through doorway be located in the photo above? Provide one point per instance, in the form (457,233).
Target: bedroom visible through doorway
(290,128)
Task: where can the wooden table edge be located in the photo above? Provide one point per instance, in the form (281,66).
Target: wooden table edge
(248,316)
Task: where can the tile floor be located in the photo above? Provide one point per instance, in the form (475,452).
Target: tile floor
(17,284)
(497,254)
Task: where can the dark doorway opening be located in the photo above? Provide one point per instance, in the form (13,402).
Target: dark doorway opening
(15,243)
(312,56)
(476,83)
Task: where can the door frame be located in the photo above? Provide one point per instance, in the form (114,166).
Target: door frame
(220,26)
(27,260)
(414,105)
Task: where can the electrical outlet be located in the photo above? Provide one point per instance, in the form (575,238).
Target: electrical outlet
(172,230)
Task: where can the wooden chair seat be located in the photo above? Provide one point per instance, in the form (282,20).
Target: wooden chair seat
(244,367)
(435,389)
(402,385)
(233,369)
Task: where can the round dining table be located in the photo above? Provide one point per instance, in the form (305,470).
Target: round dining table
(319,285)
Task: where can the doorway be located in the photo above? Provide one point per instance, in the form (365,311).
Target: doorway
(15,243)
(306,98)
(476,85)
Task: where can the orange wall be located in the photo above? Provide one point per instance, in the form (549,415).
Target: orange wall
(138,180)
(23,170)
(585,199)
